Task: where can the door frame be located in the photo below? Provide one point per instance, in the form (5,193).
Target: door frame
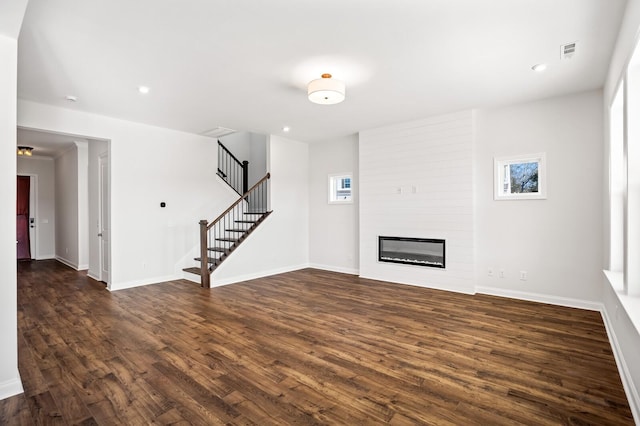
(104,274)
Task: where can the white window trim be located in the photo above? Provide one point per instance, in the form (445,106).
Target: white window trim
(499,164)
(331,194)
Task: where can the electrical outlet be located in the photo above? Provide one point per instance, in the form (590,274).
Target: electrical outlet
(501,273)
(523,275)
(490,272)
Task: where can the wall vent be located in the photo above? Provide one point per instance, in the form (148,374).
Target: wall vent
(568,50)
(218,132)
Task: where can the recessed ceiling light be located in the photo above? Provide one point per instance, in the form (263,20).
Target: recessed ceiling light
(143,89)
(71,98)
(539,67)
(286,129)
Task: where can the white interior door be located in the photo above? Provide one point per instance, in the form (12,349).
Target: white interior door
(33,214)
(104,218)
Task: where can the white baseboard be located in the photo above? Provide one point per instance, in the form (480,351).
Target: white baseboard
(226,281)
(93,276)
(67,262)
(340,269)
(633,395)
(541,298)
(46,257)
(139,283)
(11,387)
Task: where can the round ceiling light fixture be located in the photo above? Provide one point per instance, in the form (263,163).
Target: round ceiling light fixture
(326,90)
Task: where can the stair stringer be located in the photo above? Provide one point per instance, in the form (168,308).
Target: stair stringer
(253,259)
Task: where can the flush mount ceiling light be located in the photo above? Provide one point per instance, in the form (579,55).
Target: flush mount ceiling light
(326,90)
(71,98)
(143,89)
(27,151)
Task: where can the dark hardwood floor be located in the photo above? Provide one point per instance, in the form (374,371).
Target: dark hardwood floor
(307,347)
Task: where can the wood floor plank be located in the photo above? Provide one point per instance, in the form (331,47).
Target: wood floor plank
(308,347)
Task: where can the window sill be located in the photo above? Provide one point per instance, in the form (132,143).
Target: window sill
(631,304)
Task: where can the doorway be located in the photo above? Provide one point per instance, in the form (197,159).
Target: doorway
(23,217)
(69,199)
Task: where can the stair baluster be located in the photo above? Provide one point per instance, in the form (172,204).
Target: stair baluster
(219,238)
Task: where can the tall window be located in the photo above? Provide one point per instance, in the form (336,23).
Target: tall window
(617,181)
(632,218)
(624,179)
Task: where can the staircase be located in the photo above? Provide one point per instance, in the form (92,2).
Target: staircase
(220,237)
(233,171)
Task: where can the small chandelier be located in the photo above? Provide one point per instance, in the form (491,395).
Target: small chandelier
(326,90)
(26,151)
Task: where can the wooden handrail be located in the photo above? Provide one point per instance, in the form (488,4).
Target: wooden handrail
(242,197)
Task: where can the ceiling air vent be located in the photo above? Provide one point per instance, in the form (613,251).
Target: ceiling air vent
(567,50)
(218,132)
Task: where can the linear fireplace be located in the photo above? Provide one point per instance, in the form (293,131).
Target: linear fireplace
(413,251)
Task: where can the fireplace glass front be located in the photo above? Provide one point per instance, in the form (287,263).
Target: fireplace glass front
(413,251)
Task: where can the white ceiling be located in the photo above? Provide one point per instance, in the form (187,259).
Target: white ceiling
(245,64)
(46,144)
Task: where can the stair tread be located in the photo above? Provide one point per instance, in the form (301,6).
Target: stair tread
(255,212)
(229,240)
(236,230)
(212,260)
(244,221)
(218,249)
(192,270)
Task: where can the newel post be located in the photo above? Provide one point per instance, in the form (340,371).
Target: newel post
(204,256)
(245,176)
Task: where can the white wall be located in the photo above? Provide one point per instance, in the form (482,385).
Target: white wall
(96,148)
(434,156)
(148,165)
(281,242)
(45,227)
(66,190)
(239,144)
(83,205)
(623,332)
(333,228)
(257,158)
(558,241)
(10,383)
(251,147)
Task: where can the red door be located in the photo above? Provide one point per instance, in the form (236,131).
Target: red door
(22,218)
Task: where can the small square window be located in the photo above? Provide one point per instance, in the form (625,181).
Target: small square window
(520,178)
(340,190)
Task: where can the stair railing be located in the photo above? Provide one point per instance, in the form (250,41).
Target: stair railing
(220,237)
(232,170)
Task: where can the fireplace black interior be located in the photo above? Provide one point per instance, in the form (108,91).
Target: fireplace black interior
(413,251)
